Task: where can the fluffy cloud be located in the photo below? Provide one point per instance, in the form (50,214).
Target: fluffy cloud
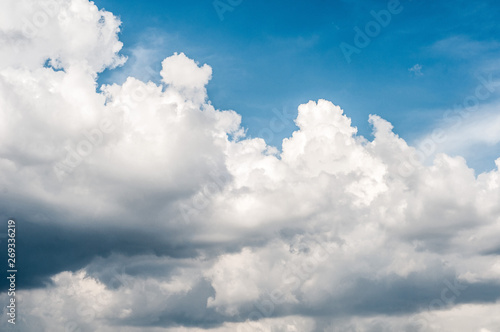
(62,32)
(156,213)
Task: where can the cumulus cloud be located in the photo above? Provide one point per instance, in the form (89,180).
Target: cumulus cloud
(142,207)
(63,32)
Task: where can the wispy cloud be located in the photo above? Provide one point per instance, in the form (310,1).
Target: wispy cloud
(416,70)
(464,47)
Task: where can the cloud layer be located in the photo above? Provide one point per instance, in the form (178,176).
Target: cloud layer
(141,207)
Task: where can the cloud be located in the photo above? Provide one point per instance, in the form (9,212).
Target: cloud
(416,70)
(468,130)
(66,32)
(141,205)
(463,47)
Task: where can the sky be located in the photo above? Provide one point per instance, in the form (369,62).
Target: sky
(275,56)
(250,166)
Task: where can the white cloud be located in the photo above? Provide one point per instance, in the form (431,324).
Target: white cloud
(463,47)
(470,132)
(416,70)
(68,32)
(192,225)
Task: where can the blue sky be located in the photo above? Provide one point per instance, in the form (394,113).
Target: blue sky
(276,55)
